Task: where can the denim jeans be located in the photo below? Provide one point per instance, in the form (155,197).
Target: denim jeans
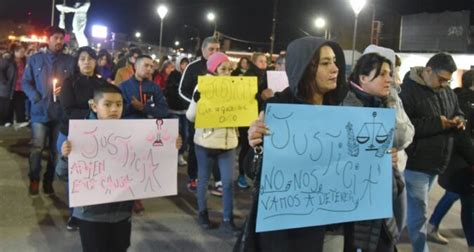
(442,208)
(418,186)
(183,130)
(467,218)
(43,134)
(206,161)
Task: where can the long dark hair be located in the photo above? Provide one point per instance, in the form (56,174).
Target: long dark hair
(91,53)
(366,64)
(308,85)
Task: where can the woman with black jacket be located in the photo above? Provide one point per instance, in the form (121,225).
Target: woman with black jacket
(76,92)
(12,97)
(315,69)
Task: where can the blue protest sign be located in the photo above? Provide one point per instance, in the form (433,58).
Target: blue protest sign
(325,165)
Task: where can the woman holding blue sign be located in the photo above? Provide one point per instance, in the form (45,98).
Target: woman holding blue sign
(370,86)
(316,74)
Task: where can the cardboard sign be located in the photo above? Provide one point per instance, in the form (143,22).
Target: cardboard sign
(226,102)
(325,165)
(118,160)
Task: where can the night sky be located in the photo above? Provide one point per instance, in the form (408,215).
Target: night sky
(244,19)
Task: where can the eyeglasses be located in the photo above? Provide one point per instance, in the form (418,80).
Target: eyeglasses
(442,80)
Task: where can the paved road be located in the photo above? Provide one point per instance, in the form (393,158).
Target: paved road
(168,223)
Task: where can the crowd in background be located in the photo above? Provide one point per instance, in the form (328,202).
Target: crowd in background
(433,135)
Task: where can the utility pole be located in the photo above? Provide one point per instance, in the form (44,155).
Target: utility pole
(52,13)
(272,38)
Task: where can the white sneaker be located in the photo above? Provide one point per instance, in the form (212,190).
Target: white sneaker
(23,124)
(434,235)
(181,160)
(8,124)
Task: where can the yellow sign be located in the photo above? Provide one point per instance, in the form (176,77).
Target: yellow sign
(226,101)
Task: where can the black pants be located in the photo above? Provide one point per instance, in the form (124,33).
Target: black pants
(14,107)
(104,237)
(192,161)
(244,148)
(4,110)
(18,107)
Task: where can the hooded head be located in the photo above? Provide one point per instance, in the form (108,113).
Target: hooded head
(382,51)
(299,57)
(182,58)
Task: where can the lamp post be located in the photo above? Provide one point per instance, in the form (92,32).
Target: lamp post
(320,23)
(138,35)
(162,11)
(212,18)
(357,6)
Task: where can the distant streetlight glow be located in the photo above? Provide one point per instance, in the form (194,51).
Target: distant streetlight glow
(138,35)
(357,6)
(212,18)
(162,11)
(99,31)
(176,43)
(320,23)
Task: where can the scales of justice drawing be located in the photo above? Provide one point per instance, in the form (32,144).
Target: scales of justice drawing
(373,132)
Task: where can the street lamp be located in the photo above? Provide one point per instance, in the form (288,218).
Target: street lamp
(176,43)
(212,18)
(162,11)
(320,23)
(357,6)
(138,35)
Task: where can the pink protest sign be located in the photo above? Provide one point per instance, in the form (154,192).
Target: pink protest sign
(118,160)
(277,80)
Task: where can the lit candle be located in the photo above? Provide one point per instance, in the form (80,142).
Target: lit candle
(55,81)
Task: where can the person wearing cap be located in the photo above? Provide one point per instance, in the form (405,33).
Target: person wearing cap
(215,145)
(45,71)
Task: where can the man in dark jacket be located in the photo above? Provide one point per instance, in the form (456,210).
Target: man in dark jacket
(188,82)
(434,111)
(42,71)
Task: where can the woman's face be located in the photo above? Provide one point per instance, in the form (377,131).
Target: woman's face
(20,53)
(244,64)
(224,69)
(103,61)
(86,64)
(380,86)
(183,65)
(326,75)
(261,62)
(169,69)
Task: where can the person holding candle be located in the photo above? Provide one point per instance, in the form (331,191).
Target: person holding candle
(38,85)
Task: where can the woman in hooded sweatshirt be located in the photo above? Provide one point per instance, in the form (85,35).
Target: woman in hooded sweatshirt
(315,69)
(370,86)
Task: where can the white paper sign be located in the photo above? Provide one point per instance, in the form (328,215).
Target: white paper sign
(119,160)
(277,80)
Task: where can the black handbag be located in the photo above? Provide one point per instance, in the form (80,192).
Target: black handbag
(248,239)
(253,162)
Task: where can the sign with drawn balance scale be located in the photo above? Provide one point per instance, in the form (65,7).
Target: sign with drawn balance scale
(118,160)
(325,165)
